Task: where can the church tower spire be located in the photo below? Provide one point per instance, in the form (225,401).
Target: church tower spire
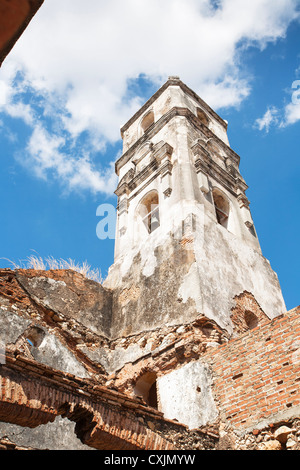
(185,240)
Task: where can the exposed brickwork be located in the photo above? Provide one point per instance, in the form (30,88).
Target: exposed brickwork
(6,444)
(257,376)
(13,294)
(247,313)
(32,394)
(171,348)
(255,373)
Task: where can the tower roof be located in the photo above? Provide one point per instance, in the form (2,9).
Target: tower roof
(173,81)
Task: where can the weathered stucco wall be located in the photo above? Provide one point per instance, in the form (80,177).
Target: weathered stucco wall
(70,296)
(52,315)
(51,351)
(58,435)
(246,384)
(190,264)
(186,395)
(173,94)
(178,280)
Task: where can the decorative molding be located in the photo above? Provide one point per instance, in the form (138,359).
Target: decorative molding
(174,81)
(155,128)
(160,164)
(243,201)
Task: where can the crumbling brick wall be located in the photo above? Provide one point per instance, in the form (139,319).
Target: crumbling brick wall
(257,375)
(247,313)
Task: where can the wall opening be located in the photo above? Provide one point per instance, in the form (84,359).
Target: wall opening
(152,396)
(34,336)
(149,211)
(222,207)
(247,314)
(147,121)
(146,387)
(250,319)
(29,340)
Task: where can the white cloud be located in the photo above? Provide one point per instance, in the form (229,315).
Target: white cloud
(286,116)
(269,118)
(231,91)
(280,118)
(77,58)
(292,114)
(45,154)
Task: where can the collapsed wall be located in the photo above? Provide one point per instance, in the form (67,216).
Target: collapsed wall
(193,384)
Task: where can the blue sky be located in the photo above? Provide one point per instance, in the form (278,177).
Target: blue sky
(78,74)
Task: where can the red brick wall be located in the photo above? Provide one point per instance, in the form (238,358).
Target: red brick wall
(257,376)
(244,303)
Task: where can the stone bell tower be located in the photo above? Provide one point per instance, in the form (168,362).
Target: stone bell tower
(185,242)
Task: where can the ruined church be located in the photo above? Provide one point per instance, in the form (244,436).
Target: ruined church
(187,343)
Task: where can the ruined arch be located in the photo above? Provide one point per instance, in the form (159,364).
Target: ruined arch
(146,387)
(34,394)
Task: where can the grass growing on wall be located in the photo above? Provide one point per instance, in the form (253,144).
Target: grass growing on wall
(38,263)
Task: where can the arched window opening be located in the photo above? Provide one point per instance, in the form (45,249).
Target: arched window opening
(34,336)
(147,121)
(221,207)
(146,387)
(202,117)
(251,319)
(149,211)
(29,340)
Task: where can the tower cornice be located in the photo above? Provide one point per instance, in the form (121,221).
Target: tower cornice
(174,81)
(175,111)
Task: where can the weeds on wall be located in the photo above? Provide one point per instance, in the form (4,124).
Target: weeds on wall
(38,263)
